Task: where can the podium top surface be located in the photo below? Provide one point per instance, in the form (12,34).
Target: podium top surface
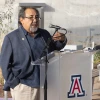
(58,53)
(79,51)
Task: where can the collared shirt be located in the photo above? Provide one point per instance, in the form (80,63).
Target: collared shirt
(36,44)
(33,42)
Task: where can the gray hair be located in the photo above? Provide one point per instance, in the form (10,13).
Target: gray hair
(22,12)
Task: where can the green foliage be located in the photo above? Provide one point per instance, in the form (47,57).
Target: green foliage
(97,57)
(1,80)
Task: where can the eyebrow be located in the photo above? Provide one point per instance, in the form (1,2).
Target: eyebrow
(33,15)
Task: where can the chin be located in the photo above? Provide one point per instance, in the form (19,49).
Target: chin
(33,29)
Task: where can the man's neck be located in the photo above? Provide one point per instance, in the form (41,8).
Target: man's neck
(32,34)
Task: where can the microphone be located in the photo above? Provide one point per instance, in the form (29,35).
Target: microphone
(57,28)
(54,26)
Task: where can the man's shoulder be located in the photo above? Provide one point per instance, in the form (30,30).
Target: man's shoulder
(13,33)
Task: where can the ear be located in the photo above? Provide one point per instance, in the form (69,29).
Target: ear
(21,20)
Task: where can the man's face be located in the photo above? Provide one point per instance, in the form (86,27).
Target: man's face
(31,20)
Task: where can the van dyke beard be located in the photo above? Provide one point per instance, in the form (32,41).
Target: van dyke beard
(33,29)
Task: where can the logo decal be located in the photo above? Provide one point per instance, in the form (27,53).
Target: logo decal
(76,89)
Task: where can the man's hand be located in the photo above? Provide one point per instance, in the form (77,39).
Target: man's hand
(59,36)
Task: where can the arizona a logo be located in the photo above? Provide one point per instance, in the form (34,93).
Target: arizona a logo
(76,89)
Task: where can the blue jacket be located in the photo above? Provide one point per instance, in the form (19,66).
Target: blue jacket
(16,57)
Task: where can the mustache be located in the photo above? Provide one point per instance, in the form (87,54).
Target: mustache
(33,23)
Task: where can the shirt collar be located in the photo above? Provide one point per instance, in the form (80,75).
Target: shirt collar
(26,33)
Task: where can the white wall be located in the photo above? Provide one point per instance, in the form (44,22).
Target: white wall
(76,15)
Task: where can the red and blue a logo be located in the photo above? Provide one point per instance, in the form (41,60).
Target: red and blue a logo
(76,89)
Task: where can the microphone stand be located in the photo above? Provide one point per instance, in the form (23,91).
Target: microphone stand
(45,51)
(45,82)
(56,29)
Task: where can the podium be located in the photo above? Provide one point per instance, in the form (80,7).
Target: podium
(69,76)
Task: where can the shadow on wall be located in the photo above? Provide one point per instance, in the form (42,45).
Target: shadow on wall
(49,8)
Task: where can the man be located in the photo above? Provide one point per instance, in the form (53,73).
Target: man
(20,49)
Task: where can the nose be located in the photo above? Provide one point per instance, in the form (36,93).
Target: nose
(34,20)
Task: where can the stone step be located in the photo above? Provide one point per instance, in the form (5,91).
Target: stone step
(96,97)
